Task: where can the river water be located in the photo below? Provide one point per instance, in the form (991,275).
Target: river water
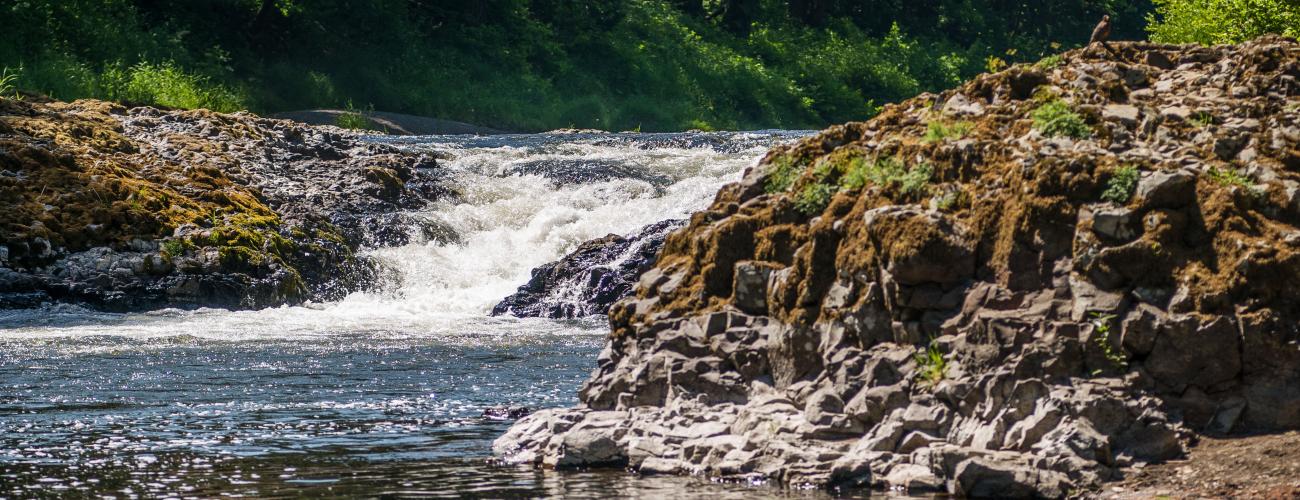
(383,392)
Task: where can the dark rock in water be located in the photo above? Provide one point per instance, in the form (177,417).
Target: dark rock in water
(506,412)
(565,172)
(138,208)
(590,279)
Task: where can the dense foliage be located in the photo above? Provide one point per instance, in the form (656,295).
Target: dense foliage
(1223,21)
(538,64)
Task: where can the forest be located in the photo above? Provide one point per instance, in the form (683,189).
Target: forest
(532,65)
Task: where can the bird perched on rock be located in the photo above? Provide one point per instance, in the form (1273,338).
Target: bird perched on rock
(1102,31)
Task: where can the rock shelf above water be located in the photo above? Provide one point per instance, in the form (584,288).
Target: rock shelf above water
(140,208)
(1018,287)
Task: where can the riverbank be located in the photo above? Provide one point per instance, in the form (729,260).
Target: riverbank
(1024,286)
(141,208)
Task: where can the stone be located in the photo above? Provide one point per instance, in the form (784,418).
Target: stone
(960,105)
(984,478)
(914,479)
(1190,352)
(749,290)
(1115,223)
(1166,190)
(1125,114)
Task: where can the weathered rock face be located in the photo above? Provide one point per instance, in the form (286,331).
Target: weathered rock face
(127,209)
(997,330)
(590,279)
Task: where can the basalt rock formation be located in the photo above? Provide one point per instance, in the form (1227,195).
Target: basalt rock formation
(128,209)
(590,279)
(1018,287)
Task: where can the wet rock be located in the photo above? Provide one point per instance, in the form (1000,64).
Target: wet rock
(506,412)
(590,279)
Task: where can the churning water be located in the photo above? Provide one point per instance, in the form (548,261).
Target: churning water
(383,392)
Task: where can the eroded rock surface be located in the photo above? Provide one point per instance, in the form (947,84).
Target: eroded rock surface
(128,209)
(1002,330)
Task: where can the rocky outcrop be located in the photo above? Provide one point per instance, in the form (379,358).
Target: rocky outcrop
(589,280)
(1017,287)
(128,209)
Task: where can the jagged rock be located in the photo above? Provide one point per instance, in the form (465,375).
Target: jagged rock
(590,279)
(1027,340)
(1166,190)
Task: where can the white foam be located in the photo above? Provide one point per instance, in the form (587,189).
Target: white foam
(507,225)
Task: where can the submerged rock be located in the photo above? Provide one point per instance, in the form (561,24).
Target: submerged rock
(136,208)
(591,278)
(1023,337)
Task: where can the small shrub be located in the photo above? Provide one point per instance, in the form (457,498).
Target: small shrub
(174,247)
(814,197)
(933,368)
(1101,327)
(8,78)
(994,64)
(888,173)
(1050,62)
(1056,118)
(939,130)
(1121,185)
(782,173)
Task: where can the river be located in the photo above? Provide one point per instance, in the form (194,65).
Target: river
(383,392)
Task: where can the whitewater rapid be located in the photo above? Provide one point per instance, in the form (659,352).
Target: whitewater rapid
(522,201)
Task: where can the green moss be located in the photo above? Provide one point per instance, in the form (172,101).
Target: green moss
(1121,185)
(939,130)
(1056,118)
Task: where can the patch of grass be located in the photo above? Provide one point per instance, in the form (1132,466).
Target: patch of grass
(1231,177)
(1202,119)
(888,172)
(1121,185)
(8,78)
(1101,327)
(782,172)
(939,130)
(1049,62)
(168,85)
(814,197)
(933,367)
(1056,118)
(353,119)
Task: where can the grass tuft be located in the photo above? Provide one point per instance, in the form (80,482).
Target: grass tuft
(933,366)
(938,130)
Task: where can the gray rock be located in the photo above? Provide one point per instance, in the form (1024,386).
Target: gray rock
(1125,114)
(749,290)
(1166,190)
(984,478)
